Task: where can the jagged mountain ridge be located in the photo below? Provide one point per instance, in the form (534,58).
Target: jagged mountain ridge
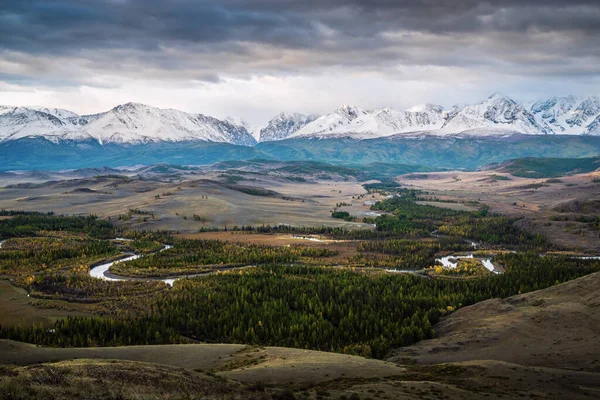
(134,123)
(362,124)
(124,124)
(496,115)
(285,125)
(569,114)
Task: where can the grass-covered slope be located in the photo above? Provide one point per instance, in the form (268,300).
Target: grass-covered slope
(102,379)
(551,167)
(555,327)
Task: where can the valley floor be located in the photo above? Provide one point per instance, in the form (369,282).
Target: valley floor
(542,344)
(189,205)
(486,350)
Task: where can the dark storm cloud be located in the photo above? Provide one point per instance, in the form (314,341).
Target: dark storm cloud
(204,39)
(63,25)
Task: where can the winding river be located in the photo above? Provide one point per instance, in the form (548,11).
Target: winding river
(102,271)
(452,262)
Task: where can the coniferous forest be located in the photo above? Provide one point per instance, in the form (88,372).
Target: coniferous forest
(308,297)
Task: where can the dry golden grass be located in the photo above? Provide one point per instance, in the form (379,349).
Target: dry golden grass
(555,327)
(16,308)
(268,373)
(175,204)
(111,379)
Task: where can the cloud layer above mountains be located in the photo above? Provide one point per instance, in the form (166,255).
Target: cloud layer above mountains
(258,57)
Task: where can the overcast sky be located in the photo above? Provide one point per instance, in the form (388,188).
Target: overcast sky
(255,58)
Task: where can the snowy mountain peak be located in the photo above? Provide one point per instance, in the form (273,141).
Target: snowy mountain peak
(588,107)
(555,106)
(567,115)
(283,116)
(497,96)
(497,113)
(350,112)
(358,123)
(502,109)
(426,108)
(56,112)
(337,123)
(502,103)
(125,124)
(252,128)
(17,122)
(131,105)
(284,125)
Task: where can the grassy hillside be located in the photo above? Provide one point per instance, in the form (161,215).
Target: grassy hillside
(555,328)
(101,379)
(273,373)
(551,167)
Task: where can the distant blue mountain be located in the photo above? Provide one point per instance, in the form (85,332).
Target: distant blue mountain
(469,153)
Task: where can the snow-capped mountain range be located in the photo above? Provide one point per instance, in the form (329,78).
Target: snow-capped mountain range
(125,124)
(134,123)
(362,124)
(496,115)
